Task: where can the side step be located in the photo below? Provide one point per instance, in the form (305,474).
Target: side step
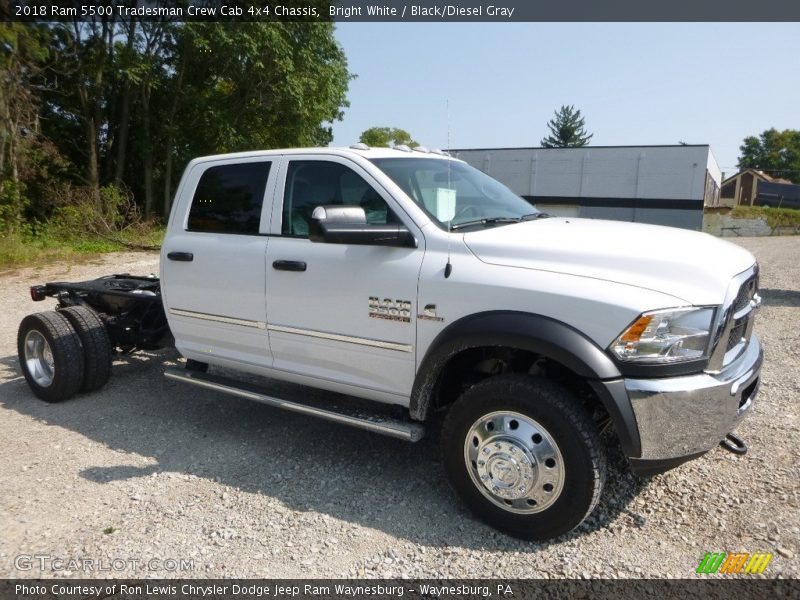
(407,430)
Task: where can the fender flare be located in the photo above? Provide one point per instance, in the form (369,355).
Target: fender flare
(535,333)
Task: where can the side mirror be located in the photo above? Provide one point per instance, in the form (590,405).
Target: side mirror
(348,225)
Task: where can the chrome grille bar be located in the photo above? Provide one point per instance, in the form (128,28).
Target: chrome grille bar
(734,321)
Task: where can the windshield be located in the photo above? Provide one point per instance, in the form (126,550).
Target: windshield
(455,194)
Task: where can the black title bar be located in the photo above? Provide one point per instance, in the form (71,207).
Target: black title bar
(402,11)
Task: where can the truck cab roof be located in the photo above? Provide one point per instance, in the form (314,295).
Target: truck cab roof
(361,150)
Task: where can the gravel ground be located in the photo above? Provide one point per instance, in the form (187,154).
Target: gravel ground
(147,470)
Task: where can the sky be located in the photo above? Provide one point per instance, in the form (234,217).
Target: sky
(489,85)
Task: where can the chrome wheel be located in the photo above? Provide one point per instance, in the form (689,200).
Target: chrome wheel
(39,358)
(514,462)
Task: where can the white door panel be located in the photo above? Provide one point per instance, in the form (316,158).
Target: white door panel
(215,296)
(320,322)
(319,319)
(216,303)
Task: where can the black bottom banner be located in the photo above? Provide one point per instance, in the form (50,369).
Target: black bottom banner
(739,588)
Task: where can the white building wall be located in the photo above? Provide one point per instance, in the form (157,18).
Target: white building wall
(613,172)
(597,175)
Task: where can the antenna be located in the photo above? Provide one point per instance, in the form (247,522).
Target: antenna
(448,268)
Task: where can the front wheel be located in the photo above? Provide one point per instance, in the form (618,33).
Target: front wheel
(524,456)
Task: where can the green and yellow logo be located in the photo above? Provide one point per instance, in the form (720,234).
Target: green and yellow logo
(735,562)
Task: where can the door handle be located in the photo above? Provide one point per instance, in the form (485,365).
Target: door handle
(289,265)
(182,256)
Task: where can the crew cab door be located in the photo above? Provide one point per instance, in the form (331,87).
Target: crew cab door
(213,257)
(342,313)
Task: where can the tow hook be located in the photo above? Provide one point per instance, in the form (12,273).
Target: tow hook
(733,443)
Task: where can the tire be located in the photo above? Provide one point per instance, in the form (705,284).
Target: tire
(97,351)
(50,356)
(502,422)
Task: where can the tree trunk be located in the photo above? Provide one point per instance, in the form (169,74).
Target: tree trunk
(12,152)
(92,171)
(122,137)
(148,153)
(89,96)
(168,178)
(90,133)
(170,126)
(153,39)
(5,130)
(109,108)
(125,116)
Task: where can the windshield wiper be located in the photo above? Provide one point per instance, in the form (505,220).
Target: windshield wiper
(485,221)
(497,220)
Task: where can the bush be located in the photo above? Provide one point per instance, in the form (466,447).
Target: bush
(80,212)
(82,223)
(13,203)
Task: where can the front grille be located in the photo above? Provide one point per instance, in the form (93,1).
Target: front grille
(746,293)
(734,325)
(737,333)
(739,327)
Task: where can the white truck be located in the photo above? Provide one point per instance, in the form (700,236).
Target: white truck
(412,280)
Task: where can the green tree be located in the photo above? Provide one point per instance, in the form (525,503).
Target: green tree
(383,137)
(130,103)
(775,152)
(28,162)
(252,85)
(20,49)
(567,129)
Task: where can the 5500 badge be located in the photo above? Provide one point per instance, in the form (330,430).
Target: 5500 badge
(392,310)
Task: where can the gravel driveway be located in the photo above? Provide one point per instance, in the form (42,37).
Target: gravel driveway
(148,471)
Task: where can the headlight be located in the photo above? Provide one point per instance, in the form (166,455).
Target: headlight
(665,336)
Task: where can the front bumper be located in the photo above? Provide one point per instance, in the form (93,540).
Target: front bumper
(679,418)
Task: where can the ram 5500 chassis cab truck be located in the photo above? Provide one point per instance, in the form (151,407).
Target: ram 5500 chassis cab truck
(412,280)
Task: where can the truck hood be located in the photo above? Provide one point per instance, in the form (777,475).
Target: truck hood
(693,267)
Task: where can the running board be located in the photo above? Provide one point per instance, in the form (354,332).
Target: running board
(407,430)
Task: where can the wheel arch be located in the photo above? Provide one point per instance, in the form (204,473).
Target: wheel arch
(536,334)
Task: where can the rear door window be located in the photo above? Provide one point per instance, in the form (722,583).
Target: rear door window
(229,198)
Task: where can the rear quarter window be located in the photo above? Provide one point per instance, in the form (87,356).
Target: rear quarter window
(229,198)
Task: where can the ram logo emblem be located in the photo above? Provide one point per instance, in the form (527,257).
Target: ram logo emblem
(429,314)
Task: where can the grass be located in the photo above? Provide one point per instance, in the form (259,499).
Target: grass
(774,217)
(48,246)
